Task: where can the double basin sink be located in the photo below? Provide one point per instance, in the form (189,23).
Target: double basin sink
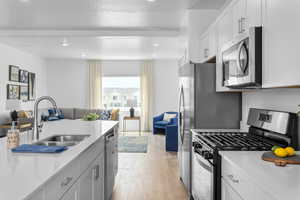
(62,140)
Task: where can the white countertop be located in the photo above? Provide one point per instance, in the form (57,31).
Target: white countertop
(23,173)
(281,182)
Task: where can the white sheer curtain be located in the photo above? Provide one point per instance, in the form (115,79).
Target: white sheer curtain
(95,84)
(146,78)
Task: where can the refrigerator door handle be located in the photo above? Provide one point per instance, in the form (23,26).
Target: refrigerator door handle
(181,113)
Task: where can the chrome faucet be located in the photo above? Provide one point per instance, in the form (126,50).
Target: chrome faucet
(36,128)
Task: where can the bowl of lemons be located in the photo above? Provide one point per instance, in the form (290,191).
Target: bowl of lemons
(283,152)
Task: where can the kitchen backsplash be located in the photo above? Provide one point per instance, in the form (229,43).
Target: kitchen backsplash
(284,99)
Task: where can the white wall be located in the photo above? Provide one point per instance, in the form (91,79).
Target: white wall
(12,56)
(68,82)
(276,99)
(166,84)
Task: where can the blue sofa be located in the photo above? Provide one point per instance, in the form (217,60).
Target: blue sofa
(169,128)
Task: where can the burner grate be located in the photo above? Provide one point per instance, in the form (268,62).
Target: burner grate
(235,141)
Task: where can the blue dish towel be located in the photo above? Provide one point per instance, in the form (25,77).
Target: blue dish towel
(29,148)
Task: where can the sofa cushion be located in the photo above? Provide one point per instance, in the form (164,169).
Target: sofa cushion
(68,113)
(104,115)
(115,114)
(162,123)
(169,116)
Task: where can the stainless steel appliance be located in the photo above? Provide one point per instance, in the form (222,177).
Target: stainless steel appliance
(202,107)
(242,60)
(267,128)
(110,163)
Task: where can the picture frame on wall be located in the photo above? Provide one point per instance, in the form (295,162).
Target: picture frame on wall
(31,86)
(24,92)
(13,73)
(13,91)
(23,76)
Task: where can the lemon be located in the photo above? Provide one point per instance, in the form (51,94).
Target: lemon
(281,152)
(290,151)
(275,147)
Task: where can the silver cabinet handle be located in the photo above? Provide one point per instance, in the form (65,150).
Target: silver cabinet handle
(231,177)
(96,171)
(243,19)
(206,53)
(66,181)
(240,25)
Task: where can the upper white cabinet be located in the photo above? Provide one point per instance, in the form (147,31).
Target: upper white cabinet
(281,43)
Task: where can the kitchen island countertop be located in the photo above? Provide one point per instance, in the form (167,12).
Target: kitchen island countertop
(21,174)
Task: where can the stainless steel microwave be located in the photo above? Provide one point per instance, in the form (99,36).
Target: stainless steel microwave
(242,60)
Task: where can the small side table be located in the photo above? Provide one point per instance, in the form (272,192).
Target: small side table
(131,118)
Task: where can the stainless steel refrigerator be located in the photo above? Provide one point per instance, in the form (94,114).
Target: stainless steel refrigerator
(201,107)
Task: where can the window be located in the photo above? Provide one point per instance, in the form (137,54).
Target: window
(121,92)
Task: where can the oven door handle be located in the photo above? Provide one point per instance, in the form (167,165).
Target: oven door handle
(208,168)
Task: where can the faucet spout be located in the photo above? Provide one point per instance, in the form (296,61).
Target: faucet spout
(36,130)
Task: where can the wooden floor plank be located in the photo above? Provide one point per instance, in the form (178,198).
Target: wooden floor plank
(149,176)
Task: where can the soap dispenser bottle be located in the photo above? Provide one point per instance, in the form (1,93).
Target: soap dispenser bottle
(13,136)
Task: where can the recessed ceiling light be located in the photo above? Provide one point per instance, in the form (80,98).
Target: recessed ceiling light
(151,0)
(24,1)
(65,43)
(155,44)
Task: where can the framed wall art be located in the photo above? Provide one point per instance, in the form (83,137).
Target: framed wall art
(13,91)
(24,93)
(31,86)
(13,73)
(23,76)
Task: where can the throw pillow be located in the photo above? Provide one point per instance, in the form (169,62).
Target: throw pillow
(104,115)
(114,114)
(168,117)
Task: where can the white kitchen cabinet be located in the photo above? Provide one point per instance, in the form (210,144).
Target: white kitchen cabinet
(224,25)
(239,17)
(91,183)
(228,192)
(281,43)
(213,41)
(243,185)
(39,195)
(72,193)
(204,47)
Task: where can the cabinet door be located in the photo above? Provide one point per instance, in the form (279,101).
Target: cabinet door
(239,17)
(281,43)
(213,41)
(98,178)
(253,14)
(204,48)
(86,184)
(72,193)
(225,28)
(228,193)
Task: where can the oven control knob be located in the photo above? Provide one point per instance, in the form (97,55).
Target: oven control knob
(207,155)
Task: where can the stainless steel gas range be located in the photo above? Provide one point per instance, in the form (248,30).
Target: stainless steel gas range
(267,128)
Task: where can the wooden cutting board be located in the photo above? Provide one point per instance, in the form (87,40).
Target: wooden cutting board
(270,157)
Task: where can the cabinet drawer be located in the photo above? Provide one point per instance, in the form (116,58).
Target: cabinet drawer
(90,154)
(58,185)
(242,183)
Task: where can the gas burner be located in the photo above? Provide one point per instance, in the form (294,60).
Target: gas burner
(234,141)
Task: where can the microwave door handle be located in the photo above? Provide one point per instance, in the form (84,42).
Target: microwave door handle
(238,57)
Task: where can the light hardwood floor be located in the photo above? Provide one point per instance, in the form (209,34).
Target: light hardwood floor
(149,176)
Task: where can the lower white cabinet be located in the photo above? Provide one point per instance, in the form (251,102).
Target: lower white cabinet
(84,177)
(228,192)
(238,185)
(72,193)
(91,182)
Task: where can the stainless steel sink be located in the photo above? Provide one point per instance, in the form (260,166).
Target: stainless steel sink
(62,140)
